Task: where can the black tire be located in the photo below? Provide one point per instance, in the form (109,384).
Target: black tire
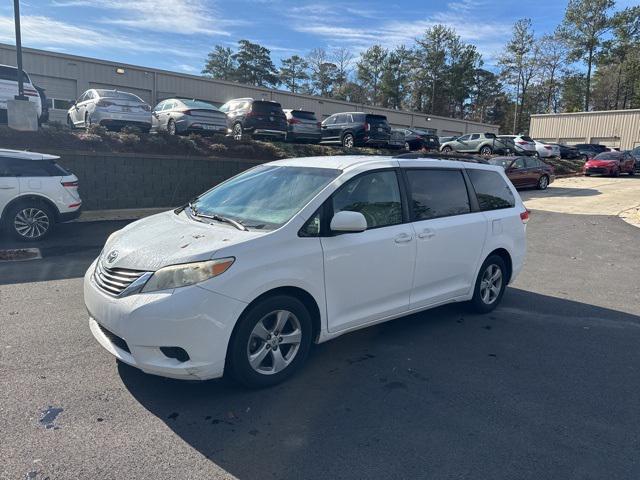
(486,151)
(348,141)
(478,303)
(70,123)
(632,172)
(87,121)
(171,127)
(407,146)
(543,182)
(239,347)
(447,149)
(12,222)
(237,132)
(616,173)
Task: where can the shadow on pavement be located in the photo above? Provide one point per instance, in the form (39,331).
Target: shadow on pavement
(553,192)
(532,390)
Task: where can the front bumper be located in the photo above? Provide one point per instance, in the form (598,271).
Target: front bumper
(192,318)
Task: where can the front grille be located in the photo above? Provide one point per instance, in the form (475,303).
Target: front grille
(596,170)
(115,280)
(115,339)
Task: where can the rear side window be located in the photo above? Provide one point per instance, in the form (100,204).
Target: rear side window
(375,119)
(475,136)
(492,191)
(15,167)
(526,138)
(10,73)
(266,107)
(303,115)
(437,193)
(342,118)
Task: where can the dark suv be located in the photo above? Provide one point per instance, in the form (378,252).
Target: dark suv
(257,118)
(590,150)
(351,129)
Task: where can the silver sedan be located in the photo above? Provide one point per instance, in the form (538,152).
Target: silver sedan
(109,108)
(179,116)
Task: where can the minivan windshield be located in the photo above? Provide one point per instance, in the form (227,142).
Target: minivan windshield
(265,197)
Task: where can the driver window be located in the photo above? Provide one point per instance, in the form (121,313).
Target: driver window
(464,138)
(519,163)
(376,195)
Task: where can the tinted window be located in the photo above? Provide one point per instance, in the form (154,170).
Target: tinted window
(503,162)
(266,107)
(464,138)
(519,163)
(358,117)
(304,115)
(330,121)
(10,73)
(376,119)
(437,193)
(15,167)
(198,104)
(490,135)
(532,163)
(492,191)
(475,136)
(342,118)
(376,195)
(118,95)
(608,156)
(526,138)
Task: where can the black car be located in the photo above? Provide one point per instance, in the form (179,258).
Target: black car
(351,129)
(635,153)
(568,152)
(415,139)
(44,116)
(257,118)
(590,150)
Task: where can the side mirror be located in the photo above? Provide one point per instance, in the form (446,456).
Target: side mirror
(323,126)
(348,222)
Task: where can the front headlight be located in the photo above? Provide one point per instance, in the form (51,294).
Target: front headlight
(176,276)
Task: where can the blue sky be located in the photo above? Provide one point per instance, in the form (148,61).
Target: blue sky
(177,34)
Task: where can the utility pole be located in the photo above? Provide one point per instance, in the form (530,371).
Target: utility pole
(16,14)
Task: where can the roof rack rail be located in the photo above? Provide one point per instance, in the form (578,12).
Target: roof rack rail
(458,157)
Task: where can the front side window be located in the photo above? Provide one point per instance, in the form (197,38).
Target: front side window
(376,195)
(464,138)
(492,191)
(437,193)
(532,163)
(342,118)
(475,136)
(265,197)
(519,163)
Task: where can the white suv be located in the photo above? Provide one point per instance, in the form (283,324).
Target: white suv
(9,88)
(35,193)
(247,276)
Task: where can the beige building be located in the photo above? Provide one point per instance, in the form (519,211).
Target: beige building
(65,77)
(615,128)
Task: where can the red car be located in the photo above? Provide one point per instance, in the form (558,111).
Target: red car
(526,171)
(610,163)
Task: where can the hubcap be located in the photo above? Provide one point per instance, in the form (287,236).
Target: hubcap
(490,284)
(543,182)
(172,128)
(348,141)
(31,223)
(274,342)
(237,132)
(407,146)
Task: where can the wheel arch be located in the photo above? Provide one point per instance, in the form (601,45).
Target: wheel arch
(31,197)
(504,254)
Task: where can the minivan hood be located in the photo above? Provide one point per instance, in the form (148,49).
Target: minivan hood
(169,239)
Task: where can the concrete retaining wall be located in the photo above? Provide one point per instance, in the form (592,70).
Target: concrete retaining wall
(121,180)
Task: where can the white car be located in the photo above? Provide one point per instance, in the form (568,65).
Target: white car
(522,143)
(35,193)
(547,150)
(251,273)
(109,108)
(9,87)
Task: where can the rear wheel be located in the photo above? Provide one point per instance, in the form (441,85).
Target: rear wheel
(348,140)
(87,121)
(171,127)
(447,149)
(407,147)
(490,285)
(271,341)
(237,132)
(29,221)
(543,182)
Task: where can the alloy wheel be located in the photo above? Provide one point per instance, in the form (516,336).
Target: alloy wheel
(486,151)
(543,183)
(237,132)
(274,342)
(171,127)
(31,223)
(491,284)
(407,147)
(348,141)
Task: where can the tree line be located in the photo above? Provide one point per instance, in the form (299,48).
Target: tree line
(590,62)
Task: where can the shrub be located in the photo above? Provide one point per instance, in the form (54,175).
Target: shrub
(97,130)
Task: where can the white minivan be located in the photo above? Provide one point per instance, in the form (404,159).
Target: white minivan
(247,276)
(9,88)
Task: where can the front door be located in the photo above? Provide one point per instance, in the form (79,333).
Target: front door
(450,237)
(368,275)
(518,173)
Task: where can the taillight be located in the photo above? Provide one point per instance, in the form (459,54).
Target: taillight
(70,184)
(367,127)
(30,93)
(548,147)
(524,216)
(293,121)
(104,103)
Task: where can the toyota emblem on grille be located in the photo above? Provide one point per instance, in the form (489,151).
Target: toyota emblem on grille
(112,256)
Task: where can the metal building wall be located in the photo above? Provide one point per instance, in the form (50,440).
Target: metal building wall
(619,128)
(57,72)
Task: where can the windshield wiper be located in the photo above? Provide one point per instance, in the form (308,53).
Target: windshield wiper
(220,218)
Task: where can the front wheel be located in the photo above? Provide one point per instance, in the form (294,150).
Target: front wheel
(486,151)
(271,341)
(171,127)
(543,182)
(490,285)
(237,132)
(446,149)
(616,173)
(70,123)
(348,141)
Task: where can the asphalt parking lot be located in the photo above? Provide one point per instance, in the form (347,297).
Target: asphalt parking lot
(545,387)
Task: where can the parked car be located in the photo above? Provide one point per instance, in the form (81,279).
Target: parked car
(568,152)
(9,89)
(35,194)
(110,108)
(302,126)
(247,276)
(247,117)
(180,115)
(416,139)
(396,139)
(590,150)
(482,143)
(44,116)
(610,163)
(635,153)
(526,171)
(547,150)
(522,143)
(354,129)
(448,138)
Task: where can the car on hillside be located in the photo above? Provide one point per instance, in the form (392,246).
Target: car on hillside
(302,126)
(178,116)
(35,194)
(523,144)
(9,89)
(590,150)
(356,129)
(482,143)
(610,163)
(247,276)
(416,139)
(546,149)
(396,139)
(526,171)
(635,153)
(112,109)
(247,117)
(568,152)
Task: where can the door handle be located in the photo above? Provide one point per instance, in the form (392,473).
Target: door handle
(403,238)
(427,233)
